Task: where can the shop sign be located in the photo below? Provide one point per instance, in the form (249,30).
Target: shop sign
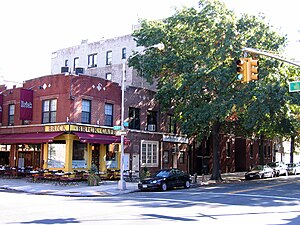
(79,128)
(175,139)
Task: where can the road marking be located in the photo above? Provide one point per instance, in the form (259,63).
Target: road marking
(259,188)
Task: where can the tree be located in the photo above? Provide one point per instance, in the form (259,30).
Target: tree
(195,73)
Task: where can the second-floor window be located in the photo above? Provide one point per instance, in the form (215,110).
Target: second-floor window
(108,57)
(49,111)
(11,114)
(171,124)
(86,111)
(108,115)
(92,60)
(152,120)
(134,116)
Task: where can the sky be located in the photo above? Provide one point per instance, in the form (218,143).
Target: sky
(31,30)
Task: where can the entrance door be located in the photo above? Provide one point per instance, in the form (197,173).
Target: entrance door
(96,156)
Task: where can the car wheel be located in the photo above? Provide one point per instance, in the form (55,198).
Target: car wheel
(164,187)
(187,184)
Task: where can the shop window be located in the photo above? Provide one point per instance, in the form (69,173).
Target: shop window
(11,115)
(86,111)
(57,155)
(134,116)
(112,156)
(251,150)
(228,149)
(152,120)
(108,114)
(49,111)
(181,157)
(149,153)
(207,147)
(108,57)
(269,151)
(166,157)
(79,158)
(92,60)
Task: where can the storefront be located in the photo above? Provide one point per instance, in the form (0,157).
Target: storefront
(66,147)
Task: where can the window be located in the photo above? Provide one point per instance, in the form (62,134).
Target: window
(66,62)
(166,157)
(134,116)
(207,146)
(108,57)
(149,153)
(181,158)
(112,156)
(49,111)
(86,111)
(251,150)
(269,151)
(92,60)
(11,114)
(265,151)
(108,113)
(56,155)
(152,120)
(228,145)
(76,63)
(171,124)
(79,157)
(123,53)
(108,76)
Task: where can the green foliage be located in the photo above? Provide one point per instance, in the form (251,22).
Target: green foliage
(195,73)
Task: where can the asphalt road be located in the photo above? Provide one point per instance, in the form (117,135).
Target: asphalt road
(260,202)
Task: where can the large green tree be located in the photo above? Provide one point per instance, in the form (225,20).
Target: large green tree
(195,73)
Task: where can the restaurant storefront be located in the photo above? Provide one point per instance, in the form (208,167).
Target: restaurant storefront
(66,147)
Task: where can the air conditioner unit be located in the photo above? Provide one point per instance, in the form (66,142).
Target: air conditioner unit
(64,69)
(78,70)
(151,127)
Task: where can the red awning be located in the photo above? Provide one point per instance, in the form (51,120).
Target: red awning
(98,138)
(28,138)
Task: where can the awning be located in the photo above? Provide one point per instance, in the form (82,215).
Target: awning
(98,138)
(28,138)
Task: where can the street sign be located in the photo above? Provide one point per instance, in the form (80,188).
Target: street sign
(126,124)
(121,132)
(294,86)
(117,127)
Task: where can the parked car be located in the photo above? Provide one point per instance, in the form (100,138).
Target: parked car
(279,168)
(166,179)
(293,168)
(259,171)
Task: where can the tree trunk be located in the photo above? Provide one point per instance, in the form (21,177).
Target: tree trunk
(292,148)
(261,150)
(216,174)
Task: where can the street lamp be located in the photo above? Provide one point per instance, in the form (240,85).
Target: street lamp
(122,183)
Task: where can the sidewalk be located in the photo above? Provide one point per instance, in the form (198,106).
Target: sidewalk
(106,188)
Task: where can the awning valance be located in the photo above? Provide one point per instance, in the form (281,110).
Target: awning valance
(98,138)
(28,138)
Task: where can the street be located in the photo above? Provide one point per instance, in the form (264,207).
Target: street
(260,202)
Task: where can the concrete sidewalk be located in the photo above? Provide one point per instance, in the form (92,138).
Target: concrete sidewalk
(106,188)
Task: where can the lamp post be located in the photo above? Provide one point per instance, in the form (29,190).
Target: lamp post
(122,183)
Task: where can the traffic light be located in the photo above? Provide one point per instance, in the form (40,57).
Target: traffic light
(241,69)
(252,69)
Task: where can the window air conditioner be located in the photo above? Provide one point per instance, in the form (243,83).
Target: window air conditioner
(151,127)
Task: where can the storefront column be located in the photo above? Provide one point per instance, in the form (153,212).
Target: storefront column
(13,156)
(45,150)
(90,153)
(69,152)
(102,158)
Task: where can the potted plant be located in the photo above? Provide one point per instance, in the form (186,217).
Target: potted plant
(93,178)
